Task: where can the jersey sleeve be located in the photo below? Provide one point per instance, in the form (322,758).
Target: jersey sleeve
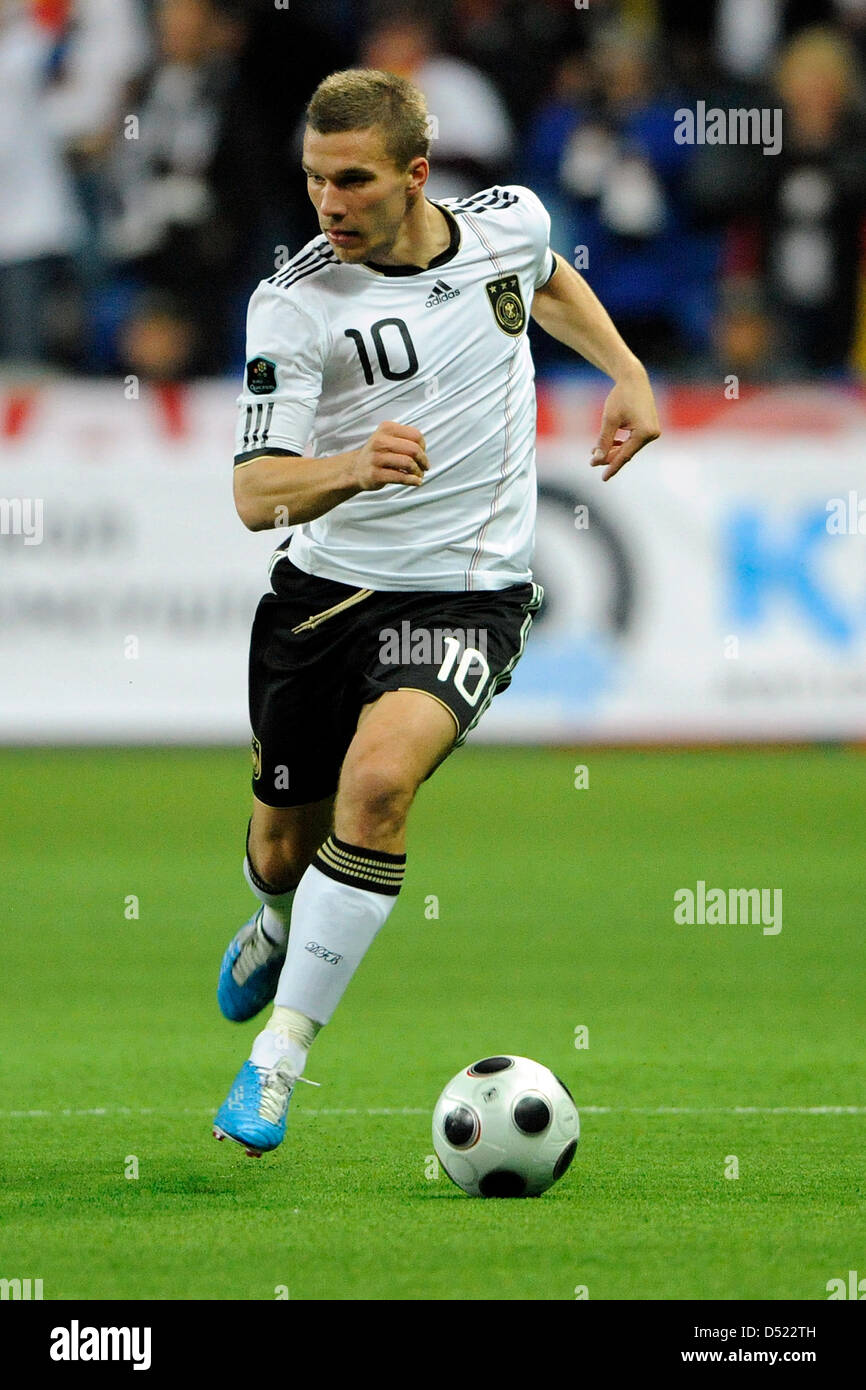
(282,378)
(538,225)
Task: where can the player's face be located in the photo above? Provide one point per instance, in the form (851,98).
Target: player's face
(360,195)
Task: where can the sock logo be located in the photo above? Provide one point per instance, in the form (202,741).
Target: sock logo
(322,952)
(440,294)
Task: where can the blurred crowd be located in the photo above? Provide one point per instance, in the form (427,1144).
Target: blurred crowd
(149,167)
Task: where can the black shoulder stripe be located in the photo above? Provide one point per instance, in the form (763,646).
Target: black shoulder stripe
(297,264)
(257,425)
(302,274)
(318,248)
(317,259)
(285,276)
(496,198)
(472,198)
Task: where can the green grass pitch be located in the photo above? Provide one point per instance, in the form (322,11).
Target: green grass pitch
(706,1043)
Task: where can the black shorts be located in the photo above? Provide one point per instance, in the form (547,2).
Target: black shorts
(320,651)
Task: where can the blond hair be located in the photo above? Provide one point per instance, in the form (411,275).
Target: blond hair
(358,98)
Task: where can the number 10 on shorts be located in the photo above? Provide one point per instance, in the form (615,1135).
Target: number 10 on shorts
(470,655)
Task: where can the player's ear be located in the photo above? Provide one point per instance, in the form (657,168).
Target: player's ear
(417,174)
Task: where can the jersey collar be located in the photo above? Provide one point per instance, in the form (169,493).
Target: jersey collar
(444,256)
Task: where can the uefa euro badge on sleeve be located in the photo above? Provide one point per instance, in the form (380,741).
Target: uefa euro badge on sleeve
(507,304)
(261,376)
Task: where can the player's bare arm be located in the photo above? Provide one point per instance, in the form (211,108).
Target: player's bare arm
(567,309)
(268,488)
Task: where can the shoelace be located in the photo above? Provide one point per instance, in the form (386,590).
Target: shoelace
(256,951)
(277,1088)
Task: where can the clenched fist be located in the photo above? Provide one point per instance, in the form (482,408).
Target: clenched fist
(393,454)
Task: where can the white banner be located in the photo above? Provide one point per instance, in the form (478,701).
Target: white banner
(715,590)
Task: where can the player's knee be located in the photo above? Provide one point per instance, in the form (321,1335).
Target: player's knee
(379,792)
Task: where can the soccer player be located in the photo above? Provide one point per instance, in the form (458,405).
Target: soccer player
(388,417)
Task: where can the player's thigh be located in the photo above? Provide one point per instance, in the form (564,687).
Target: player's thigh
(400,739)
(283,839)
(302,705)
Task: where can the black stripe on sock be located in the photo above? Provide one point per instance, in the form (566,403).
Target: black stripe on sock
(357,867)
(278,945)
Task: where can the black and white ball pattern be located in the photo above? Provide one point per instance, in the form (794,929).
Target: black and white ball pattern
(505,1127)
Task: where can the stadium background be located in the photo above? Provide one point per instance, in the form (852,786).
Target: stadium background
(715,593)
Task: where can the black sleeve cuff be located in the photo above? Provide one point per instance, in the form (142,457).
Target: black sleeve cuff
(550,276)
(263,453)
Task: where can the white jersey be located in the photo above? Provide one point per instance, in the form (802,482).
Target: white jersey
(335,349)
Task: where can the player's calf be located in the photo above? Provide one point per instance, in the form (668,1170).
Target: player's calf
(273,865)
(252,962)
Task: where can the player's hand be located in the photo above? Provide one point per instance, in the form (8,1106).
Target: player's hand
(628,423)
(393,454)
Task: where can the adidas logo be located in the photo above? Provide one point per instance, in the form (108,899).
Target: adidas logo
(440,293)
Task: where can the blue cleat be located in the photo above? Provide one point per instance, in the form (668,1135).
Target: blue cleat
(249,973)
(254,1113)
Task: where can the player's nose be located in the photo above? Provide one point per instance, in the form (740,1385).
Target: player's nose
(331,204)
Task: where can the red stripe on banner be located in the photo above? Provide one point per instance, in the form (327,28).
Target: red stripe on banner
(52,14)
(546,412)
(15,413)
(171,399)
(764,410)
(696,407)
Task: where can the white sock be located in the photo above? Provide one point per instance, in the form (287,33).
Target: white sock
(278,906)
(342,901)
(287,1034)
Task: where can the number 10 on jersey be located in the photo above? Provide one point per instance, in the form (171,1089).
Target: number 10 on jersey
(383,349)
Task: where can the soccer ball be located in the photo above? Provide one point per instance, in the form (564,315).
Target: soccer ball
(505,1127)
